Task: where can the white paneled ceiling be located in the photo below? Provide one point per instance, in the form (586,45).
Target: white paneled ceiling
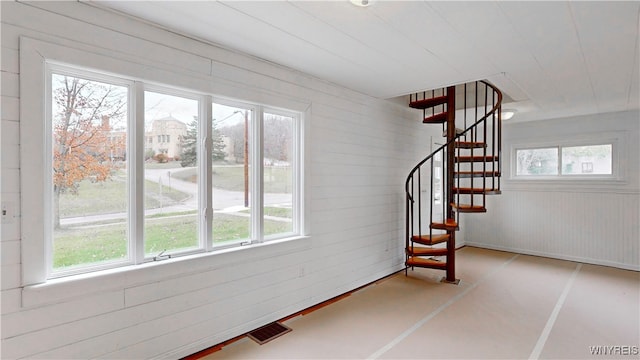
(554,59)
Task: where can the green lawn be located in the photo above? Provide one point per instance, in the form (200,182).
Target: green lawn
(157,165)
(96,244)
(73,246)
(276,179)
(107,197)
(275,211)
(106,240)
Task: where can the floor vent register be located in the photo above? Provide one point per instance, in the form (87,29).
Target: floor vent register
(268,332)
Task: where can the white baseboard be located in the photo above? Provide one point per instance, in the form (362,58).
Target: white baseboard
(633,267)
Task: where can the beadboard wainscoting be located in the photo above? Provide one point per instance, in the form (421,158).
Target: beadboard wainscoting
(594,221)
(596,228)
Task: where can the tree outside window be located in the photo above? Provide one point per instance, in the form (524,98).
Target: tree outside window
(89,165)
(585,160)
(89,224)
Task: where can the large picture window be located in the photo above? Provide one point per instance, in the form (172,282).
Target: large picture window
(186,174)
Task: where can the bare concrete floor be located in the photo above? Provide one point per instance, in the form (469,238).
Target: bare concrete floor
(507,306)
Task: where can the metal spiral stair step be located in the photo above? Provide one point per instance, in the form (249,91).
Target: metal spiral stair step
(428,103)
(476,174)
(476,191)
(467,208)
(430,239)
(436,119)
(449,224)
(470,145)
(414,261)
(476,159)
(425,251)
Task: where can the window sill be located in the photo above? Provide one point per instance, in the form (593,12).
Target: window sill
(119,279)
(566,180)
(568,183)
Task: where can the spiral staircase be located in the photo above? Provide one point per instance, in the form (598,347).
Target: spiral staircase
(457,176)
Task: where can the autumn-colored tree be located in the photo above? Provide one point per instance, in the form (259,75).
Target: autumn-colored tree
(86,144)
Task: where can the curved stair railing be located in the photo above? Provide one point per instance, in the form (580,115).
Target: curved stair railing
(459,174)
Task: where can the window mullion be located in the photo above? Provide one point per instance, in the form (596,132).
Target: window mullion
(205,202)
(136,174)
(560,166)
(48,178)
(257,181)
(297,175)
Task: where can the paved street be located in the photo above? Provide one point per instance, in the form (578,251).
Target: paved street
(223,200)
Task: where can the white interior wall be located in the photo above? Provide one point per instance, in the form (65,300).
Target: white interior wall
(588,221)
(359,150)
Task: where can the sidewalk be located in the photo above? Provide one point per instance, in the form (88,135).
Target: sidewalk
(223,200)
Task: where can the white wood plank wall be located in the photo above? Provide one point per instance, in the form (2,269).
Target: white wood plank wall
(360,150)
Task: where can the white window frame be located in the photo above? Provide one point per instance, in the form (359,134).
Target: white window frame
(615,139)
(204,110)
(50,69)
(296,168)
(35,56)
(256,181)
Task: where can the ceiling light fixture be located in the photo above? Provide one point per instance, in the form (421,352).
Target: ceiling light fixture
(361,3)
(507,114)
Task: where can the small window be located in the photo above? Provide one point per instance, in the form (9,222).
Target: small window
(566,161)
(537,162)
(587,160)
